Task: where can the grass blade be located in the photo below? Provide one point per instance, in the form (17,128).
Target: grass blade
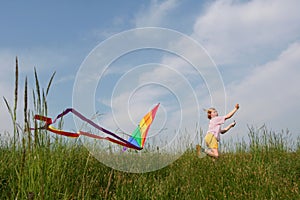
(9,109)
(49,84)
(16,100)
(25,106)
(37,86)
(16,89)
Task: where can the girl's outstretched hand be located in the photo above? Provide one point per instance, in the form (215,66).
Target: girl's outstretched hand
(233,123)
(237,106)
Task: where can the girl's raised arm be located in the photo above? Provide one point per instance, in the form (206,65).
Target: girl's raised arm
(230,114)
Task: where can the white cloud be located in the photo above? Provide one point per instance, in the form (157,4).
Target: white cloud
(251,35)
(259,40)
(270,94)
(235,32)
(155,15)
(64,79)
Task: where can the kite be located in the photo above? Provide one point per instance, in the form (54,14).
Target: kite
(136,141)
(138,137)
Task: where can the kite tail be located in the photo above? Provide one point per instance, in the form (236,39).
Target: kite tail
(136,141)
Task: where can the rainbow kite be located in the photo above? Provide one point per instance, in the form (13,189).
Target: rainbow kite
(139,135)
(136,141)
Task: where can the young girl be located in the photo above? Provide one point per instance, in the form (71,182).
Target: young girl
(212,137)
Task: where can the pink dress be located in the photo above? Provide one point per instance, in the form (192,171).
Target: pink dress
(214,126)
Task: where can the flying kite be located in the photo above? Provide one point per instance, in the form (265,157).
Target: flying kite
(136,141)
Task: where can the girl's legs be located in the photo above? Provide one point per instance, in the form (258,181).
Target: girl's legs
(212,152)
(212,145)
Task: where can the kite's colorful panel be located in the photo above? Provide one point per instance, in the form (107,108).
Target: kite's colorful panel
(139,135)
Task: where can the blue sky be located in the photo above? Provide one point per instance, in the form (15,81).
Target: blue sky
(254,44)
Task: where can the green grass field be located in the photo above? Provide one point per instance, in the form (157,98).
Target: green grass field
(33,165)
(67,171)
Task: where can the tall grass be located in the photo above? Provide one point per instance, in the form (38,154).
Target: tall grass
(69,172)
(34,166)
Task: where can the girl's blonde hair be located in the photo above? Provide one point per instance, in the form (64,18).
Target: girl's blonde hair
(209,111)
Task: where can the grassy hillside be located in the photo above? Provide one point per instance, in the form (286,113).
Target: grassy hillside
(67,171)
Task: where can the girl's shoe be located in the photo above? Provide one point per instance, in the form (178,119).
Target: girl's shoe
(200,151)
